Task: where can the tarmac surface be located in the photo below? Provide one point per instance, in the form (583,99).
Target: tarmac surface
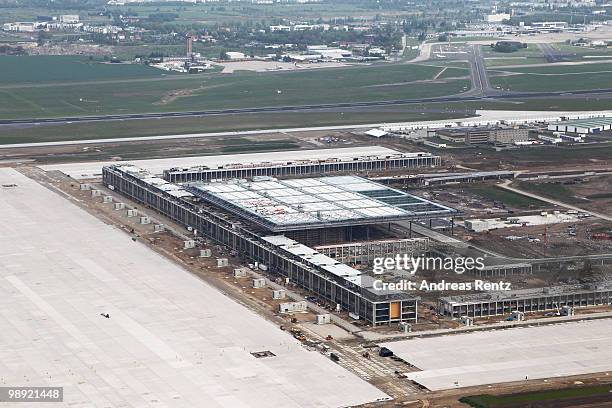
(526,353)
(170,339)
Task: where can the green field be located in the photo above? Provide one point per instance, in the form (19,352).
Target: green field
(554,190)
(509,59)
(563,70)
(530,55)
(121,92)
(49,69)
(455,73)
(409,53)
(583,53)
(509,198)
(550,398)
(555,78)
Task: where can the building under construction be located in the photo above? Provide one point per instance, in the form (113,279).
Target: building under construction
(364,253)
(548,299)
(354,165)
(248,217)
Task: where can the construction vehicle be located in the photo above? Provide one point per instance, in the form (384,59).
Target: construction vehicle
(298,334)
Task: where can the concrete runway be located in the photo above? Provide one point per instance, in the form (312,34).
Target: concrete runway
(314,107)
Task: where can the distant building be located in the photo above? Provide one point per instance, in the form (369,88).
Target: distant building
(509,135)
(435,145)
(455,135)
(550,139)
(233,55)
(477,136)
(69,18)
(377,51)
(582,126)
(275,28)
(21,27)
(332,53)
(482,135)
(497,17)
(550,25)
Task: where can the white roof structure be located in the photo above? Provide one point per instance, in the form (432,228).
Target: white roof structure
(146,177)
(313,257)
(376,133)
(282,205)
(85,170)
(171,340)
(496,356)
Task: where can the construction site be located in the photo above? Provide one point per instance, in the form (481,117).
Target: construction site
(297,241)
(320,224)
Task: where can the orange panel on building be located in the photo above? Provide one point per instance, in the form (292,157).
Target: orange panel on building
(395,311)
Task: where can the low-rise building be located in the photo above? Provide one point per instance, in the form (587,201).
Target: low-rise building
(526,300)
(234,55)
(509,135)
(483,135)
(497,17)
(69,18)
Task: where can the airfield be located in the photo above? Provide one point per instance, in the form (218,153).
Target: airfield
(170,340)
(527,353)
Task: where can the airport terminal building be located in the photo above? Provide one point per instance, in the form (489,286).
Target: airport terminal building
(312,167)
(264,220)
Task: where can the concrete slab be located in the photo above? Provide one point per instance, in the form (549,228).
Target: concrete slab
(497,356)
(171,339)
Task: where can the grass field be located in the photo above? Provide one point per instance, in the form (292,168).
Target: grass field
(409,53)
(563,70)
(530,55)
(582,53)
(554,190)
(509,59)
(551,398)
(507,197)
(156,93)
(555,77)
(49,69)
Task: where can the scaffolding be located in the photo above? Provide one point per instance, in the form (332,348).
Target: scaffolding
(364,253)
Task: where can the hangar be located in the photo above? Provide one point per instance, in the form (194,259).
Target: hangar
(582,126)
